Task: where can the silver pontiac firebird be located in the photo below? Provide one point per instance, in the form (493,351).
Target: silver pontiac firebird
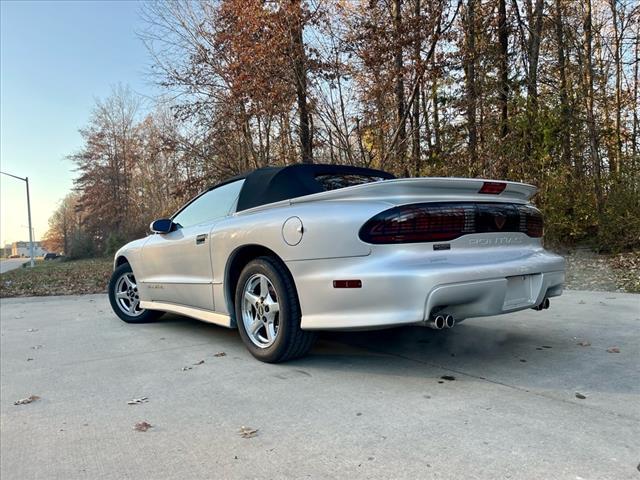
(284,251)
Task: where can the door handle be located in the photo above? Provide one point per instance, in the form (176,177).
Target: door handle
(201,238)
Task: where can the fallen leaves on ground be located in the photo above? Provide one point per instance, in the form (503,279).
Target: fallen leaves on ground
(219,354)
(580,396)
(56,277)
(613,350)
(587,270)
(29,399)
(137,401)
(184,369)
(199,363)
(627,268)
(449,378)
(142,426)
(584,344)
(248,432)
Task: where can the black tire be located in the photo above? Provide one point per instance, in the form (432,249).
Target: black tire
(144,317)
(291,342)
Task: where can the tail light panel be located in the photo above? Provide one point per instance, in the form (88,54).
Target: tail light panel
(437,222)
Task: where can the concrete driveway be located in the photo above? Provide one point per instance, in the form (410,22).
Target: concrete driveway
(362,405)
(9,264)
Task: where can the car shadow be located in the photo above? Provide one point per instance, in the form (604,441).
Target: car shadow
(473,351)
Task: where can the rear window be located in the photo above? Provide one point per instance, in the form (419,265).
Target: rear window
(335,181)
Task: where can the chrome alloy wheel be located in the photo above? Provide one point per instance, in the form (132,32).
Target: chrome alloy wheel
(260,311)
(127,296)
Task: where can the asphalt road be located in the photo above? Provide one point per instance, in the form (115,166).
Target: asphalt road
(9,264)
(362,405)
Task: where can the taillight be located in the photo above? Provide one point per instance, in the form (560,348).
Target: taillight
(437,222)
(531,221)
(415,223)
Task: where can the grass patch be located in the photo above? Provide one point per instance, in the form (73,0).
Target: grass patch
(55,277)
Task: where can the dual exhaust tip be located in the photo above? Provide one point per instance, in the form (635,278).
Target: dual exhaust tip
(440,321)
(445,320)
(543,306)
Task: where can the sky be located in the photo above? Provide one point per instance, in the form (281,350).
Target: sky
(56,58)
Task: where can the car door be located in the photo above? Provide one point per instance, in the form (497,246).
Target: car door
(177,265)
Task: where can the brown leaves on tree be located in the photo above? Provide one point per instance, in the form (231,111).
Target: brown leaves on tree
(418,88)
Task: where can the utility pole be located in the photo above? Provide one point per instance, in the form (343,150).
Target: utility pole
(26,180)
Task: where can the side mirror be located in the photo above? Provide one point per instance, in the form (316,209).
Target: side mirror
(162,225)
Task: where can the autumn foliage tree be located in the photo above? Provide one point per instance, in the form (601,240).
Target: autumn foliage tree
(64,226)
(540,91)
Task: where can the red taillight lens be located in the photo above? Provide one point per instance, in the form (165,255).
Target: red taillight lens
(493,188)
(533,223)
(438,222)
(416,223)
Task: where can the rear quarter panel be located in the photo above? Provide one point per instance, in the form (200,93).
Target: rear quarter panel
(330,230)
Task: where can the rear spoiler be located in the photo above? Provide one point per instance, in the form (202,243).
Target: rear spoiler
(431,188)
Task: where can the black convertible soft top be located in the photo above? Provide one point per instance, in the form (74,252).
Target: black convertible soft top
(273,184)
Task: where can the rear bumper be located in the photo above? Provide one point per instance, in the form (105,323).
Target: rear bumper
(407,286)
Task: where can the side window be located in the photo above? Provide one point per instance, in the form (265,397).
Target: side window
(213,204)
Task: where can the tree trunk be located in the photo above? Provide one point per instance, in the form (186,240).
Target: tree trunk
(401,140)
(535,32)
(503,94)
(300,77)
(636,81)
(436,117)
(415,149)
(565,113)
(533,54)
(614,164)
(589,98)
(428,133)
(470,74)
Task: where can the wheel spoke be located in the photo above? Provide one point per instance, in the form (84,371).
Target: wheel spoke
(128,281)
(270,332)
(255,326)
(122,295)
(264,287)
(251,298)
(134,305)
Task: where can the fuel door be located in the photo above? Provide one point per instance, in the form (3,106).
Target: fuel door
(292,231)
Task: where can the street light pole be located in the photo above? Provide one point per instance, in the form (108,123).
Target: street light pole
(26,180)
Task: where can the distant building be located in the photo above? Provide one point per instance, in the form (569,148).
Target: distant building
(21,249)
(6,251)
